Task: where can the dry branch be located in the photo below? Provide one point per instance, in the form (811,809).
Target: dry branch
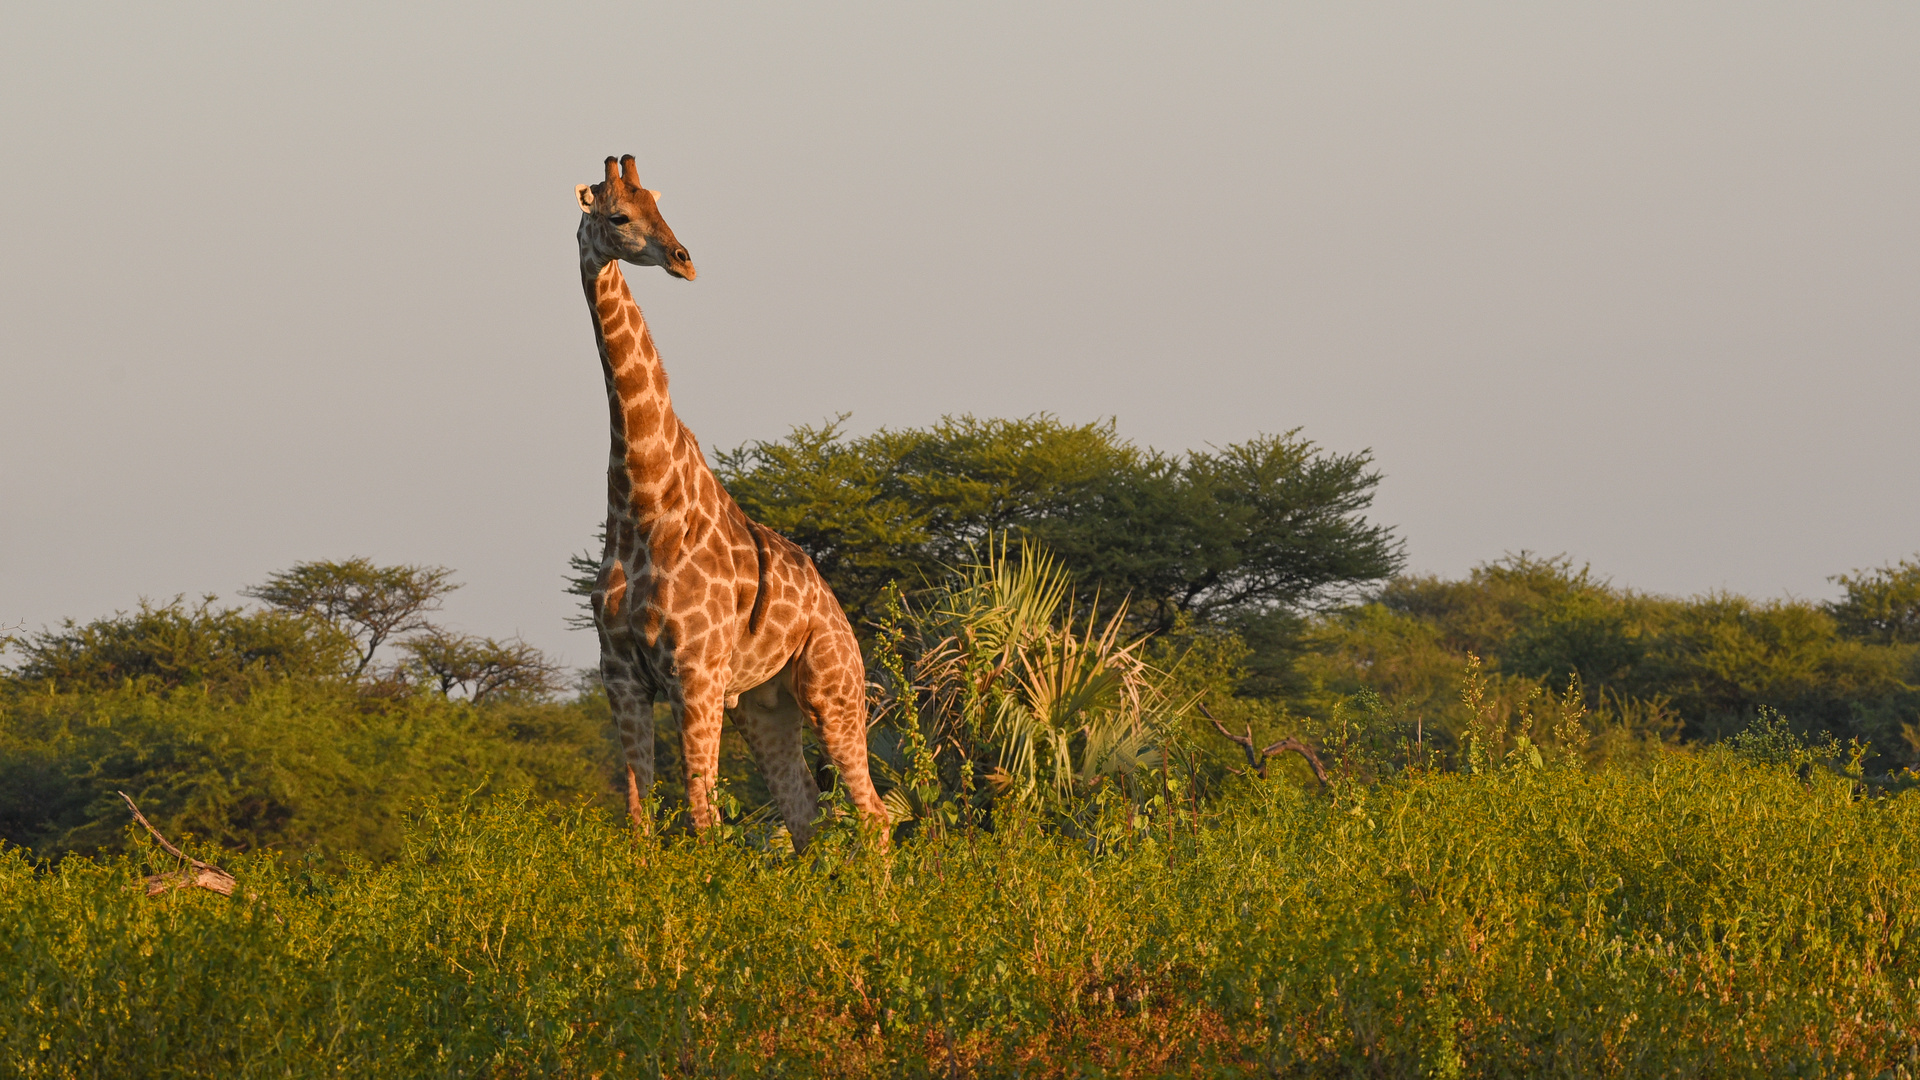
(1257,758)
(195,875)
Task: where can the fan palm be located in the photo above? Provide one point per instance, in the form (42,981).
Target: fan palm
(1004,669)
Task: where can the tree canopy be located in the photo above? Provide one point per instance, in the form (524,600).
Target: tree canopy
(1881,605)
(1271,524)
(482,667)
(162,646)
(275,727)
(368,603)
(1702,667)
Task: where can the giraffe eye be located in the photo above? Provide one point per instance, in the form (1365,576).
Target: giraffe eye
(619,219)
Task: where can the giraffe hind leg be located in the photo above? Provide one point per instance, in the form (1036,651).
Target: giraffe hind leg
(830,683)
(770,720)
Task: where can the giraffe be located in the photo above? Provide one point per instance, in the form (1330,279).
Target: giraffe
(696,601)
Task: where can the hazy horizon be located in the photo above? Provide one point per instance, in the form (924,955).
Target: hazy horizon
(1635,284)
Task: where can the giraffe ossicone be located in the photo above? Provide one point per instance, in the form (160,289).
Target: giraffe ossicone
(695,601)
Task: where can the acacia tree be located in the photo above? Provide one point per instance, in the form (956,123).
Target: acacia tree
(369,604)
(163,646)
(1881,605)
(1271,525)
(482,668)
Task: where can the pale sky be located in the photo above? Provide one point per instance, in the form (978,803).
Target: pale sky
(1632,282)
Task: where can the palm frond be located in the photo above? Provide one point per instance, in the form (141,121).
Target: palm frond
(1003,661)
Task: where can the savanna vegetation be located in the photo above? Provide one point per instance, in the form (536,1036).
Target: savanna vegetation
(1259,555)
(282,726)
(1701,915)
(1540,825)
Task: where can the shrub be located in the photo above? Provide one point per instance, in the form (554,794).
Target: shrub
(1700,916)
(293,764)
(1650,668)
(163,646)
(1046,706)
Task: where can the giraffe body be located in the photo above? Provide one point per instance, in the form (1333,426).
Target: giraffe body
(695,601)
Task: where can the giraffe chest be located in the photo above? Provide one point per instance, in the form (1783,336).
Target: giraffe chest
(682,626)
(681,571)
(682,586)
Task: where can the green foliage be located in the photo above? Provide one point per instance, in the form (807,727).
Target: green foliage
(1046,706)
(1271,523)
(255,729)
(164,646)
(480,668)
(1516,738)
(1720,658)
(1770,740)
(1673,919)
(1649,667)
(1204,668)
(1084,879)
(294,764)
(1881,605)
(1539,615)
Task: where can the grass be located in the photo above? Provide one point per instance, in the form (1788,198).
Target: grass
(1698,916)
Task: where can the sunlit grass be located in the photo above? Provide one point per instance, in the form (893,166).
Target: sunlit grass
(1702,916)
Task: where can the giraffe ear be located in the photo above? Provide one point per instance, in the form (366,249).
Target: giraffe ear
(655,194)
(585,195)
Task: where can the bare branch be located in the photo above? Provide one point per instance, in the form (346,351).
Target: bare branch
(203,875)
(1258,758)
(1254,761)
(1298,747)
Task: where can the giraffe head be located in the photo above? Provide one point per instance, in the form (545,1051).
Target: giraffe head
(621,220)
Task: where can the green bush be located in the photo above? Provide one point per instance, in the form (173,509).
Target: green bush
(291,764)
(1881,605)
(272,729)
(162,646)
(1701,916)
(1650,667)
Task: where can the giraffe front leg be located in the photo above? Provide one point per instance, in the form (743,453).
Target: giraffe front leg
(631,700)
(700,708)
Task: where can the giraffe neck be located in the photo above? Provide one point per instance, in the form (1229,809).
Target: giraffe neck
(654,461)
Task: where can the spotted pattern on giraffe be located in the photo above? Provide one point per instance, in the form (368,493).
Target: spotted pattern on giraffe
(695,602)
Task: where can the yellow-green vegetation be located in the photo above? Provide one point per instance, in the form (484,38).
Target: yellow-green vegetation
(1261,552)
(1700,915)
(1649,668)
(271,729)
(1001,674)
(1563,828)
(1079,884)
(293,764)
